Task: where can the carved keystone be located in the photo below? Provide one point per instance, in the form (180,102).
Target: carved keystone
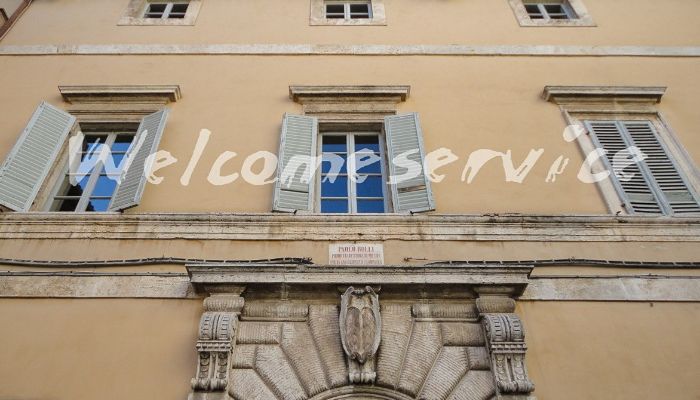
(360,332)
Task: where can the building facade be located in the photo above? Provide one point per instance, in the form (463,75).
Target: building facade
(365,199)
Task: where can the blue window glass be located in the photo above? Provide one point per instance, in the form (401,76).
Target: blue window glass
(370,206)
(337,161)
(367,143)
(334,144)
(338,188)
(367,164)
(334,206)
(371,187)
(104,186)
(97,204)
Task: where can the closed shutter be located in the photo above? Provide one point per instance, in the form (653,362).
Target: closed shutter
(403,135)
(297,146)
(30,160)
(133,179)
(662,169)
(657,186)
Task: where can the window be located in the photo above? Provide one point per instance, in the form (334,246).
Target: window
(166,10)
(160,12)
(654,185)
(348,10)
(551,13)
(39,173)
(637,163)
(93,190)
(549,10)
(339,192)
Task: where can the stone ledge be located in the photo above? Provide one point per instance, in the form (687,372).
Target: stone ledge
(300,93)
(342,49)
(210,226)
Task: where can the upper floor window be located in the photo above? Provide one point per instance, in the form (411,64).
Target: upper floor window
(91,157)
(348,9)
(549,10)
(347,12)
(551,13)
(161,12)
(166,10)
(630,151)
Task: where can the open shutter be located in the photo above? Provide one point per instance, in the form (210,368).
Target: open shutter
(30,160)
(637,193)
(663,171)
(403,134)
(130,188)
(298,139)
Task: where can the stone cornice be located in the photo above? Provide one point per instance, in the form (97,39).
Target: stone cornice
(300,93)
(208,226)
(121,93)
(507,279)
(357,49)
(562,94)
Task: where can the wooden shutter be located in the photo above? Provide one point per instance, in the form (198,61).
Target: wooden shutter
(657,187)
(663,171)
(133,180)
(403,134)
(30,160)
(298,138)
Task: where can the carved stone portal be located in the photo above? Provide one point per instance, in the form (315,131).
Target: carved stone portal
(360,332)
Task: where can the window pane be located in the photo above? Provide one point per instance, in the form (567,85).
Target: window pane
(334,144)
(122,143)
(371,187)
(155,7)
(104,186)
(335,8)
(532,9)
(336,163)
(370,206)
(338,188)
(179,8)
(554,8)
(334,206)
(364,143)
(359,8)
(97,205)
(64,205)
(368,164)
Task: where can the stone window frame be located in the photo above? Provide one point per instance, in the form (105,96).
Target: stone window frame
(579,103)
(583,17)
(318,16)
(133,15)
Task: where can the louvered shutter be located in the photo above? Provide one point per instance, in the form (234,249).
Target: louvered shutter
(657,187)
(678,197)
(403,134)
(30,160)
(130,189)
(636,192)
(298,139)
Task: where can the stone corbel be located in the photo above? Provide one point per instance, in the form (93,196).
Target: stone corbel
(217,332)
(505,341)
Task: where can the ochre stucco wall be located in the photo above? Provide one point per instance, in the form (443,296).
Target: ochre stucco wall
(490,22)
(608,350)
(144,349)
(465,104)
